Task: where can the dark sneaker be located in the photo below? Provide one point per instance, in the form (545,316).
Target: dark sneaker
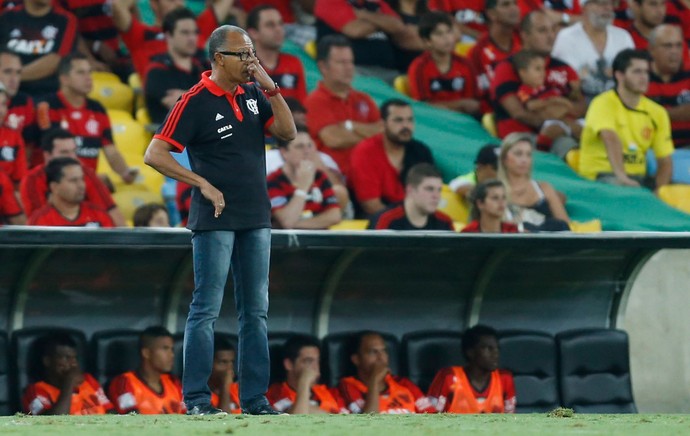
(261,409)
(205,409)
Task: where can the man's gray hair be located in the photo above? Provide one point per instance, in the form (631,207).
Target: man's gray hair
(217,38)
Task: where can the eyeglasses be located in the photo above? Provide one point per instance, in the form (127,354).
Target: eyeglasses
(243,55)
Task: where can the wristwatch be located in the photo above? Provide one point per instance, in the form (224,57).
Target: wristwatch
(349,126)
(273,92)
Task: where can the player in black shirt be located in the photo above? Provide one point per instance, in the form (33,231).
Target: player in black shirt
(221,122)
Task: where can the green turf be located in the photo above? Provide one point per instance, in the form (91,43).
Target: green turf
(361,425)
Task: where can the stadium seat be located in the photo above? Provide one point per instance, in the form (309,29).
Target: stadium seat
(463,48)
(591,226)
(681,166)
(129,136)
(402,84)
(677,196)
(452,205)
(489,124)
(336,351)
(594,371)
(104,77)
(531,357)
(26,350)
(350,225)
(114,352)
(113,95)
(6,406)
(129,201)
(572,158)
(178,338)
(147,180)
(310,48)
(143,118)
(134,82)
(424,353)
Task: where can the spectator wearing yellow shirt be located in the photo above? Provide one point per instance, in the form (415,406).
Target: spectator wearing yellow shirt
(622,124)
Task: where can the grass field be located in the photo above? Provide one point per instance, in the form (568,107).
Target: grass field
(361,425)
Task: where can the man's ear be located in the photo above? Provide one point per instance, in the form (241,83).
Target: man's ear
(287,364)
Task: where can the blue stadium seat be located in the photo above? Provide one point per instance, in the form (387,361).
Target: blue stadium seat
(531,357)
(594,371)
(26,350)
(424,353)
(336,352)
(6,407)
(114,352)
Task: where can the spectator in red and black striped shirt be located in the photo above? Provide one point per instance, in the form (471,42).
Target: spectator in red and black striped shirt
(41,34)
(301,195)
(72,110)
(34,186)
(669,82)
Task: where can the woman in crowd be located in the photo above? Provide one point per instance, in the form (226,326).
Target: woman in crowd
(489,205)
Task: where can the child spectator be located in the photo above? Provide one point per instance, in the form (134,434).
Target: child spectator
(439,76)
(545,101)
(485,168)
(151,215)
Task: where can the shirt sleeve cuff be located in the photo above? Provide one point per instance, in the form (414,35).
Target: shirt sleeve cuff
(179,148)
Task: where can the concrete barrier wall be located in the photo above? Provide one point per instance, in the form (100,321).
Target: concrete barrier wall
(657,319)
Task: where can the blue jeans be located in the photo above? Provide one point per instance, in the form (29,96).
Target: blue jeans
(215,252)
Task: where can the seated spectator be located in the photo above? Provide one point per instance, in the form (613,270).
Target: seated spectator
(622,124)
(546,102)
(172,73)
(381,163)
(151,215)
(439,76)
(21,112)
(225,392)
(597,41)
(150,389)
(71,109)
(489,204)
(300,393)
(374,389)
(34,186)
(647,14)
(479,386)
(678,12)
(670,81)
(265,27)
(13,155)
(511,115)
(410,12)
(63,389)
(485,168)
(23,31)
(534,206)
(419,210)
(145,41)
(622,12)
(66,206)
(339,116)
(301,195)
(10,210)
(372,27)
(501,41)
(468,14)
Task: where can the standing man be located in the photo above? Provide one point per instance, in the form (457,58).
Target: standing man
(221,122)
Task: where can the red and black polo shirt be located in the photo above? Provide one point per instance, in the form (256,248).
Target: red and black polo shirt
(94,20)
(674,93)
(224,137)
(395,218)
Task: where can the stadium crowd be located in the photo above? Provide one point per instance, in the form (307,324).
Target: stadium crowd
(58,385)
(603,84)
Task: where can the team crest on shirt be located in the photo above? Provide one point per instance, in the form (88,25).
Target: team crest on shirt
(647,133)
(49,32)
(684,97)
(363,108)
(253,106)
(458,83)
(92,127)
(288,81)
(7,154)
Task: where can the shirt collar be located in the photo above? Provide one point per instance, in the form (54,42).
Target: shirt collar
(215,89)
